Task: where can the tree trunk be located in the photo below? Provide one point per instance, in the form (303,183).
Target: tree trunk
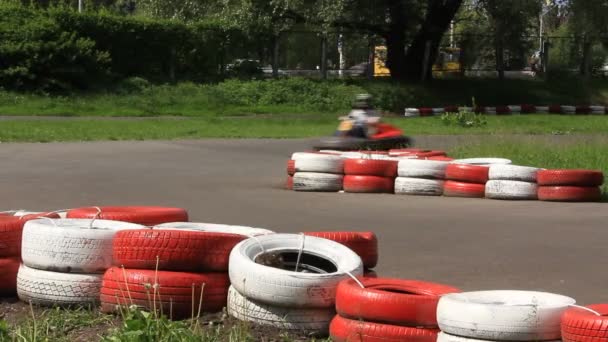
(275,56)
(438,17)
(500,58)
(585,68)
(395,40)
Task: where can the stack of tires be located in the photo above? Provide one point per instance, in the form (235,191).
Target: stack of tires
(64,259)
(11,230)
(501,316)
(420,177)
(289,281)
(364,175)
(180,272)
(147,216)
(388,310)
(570,185)
(364,244)
(585,324)
(317,172)
(512,182)
(465,180)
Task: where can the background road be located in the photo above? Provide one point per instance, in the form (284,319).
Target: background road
(469,243)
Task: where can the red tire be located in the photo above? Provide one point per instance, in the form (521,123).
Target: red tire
(440,158)
(427,154)
(503,110)
(364,244)
(426,111)
(148,216)
(570,177)
(451,109)
(177,292)
(460,189)
(289,183)
(569,193)
(396,151)
(370,167)
(291,167)
(11,228)
(345,330)
(384,153)
(394,301)
(528,109)
(179,250)
(580,325)
(8,276)
(368,184)
(555,109)
(467,173)
(583,110)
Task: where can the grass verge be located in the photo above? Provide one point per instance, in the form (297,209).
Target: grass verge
(137,97)
(78,129)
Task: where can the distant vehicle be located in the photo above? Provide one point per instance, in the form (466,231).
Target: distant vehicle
(448,62)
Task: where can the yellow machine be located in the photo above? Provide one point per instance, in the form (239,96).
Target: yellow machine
(447,62)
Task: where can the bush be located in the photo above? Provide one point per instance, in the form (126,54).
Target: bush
(36,53)
(464,119)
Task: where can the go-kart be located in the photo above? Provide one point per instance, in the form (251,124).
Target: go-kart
(383,137)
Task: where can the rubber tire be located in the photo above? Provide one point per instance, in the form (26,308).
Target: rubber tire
(177,291)
(291,167)
(416,168)
(503,315)
(511,190)
(54,288)
(391,301)
(570,177)
(569,193)
(467,173)
(483,161)
(310,181)
(461,189)
(289,183)
(298,320)
(176,250)
(443,337)
(513,172)
(287,288)
(368,184)
(11,231)
(147,216)
(364,244)
(8,276)
(345,330)
(216,228)
(322,163)
(579,325)
(418,186)
(370,167)
(69,245)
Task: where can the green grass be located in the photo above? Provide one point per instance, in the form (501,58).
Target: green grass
(136,97)
(80,129)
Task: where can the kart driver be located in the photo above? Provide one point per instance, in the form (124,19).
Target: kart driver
(361,117)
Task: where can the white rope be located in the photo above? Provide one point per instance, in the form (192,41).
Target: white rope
(355,279)
(95,217)
(300,252)
(50,219)
(259,244)
(586,309)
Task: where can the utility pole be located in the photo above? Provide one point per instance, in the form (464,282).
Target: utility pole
(79,6)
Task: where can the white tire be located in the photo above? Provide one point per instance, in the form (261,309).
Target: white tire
(598,112)
(482,161)
(490,111)
(420,168)
(443,337)
(217,228)
(511,190)
(542,109)
(412,112)
(597,108)
(515,109)
(503,315)
(569,109)
(325,163)
(418,186)
(513,172)
(69,245)
(310,181)
(335,152)
(282,287)
(313,320)
(54,288)
(465,109)
(438,111)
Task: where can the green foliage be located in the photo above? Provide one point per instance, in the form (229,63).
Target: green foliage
(38,53)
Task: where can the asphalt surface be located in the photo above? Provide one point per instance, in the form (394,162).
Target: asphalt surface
(473,244)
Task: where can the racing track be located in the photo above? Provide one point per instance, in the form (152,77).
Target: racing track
(469,243)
